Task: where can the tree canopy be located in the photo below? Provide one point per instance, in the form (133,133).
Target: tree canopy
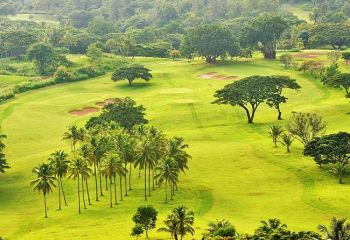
(131,73)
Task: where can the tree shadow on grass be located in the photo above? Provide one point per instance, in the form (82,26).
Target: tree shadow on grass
(135,85)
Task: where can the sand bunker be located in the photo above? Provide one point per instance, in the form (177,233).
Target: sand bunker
(216,76)
(84,111)
(176,90)
(106,102)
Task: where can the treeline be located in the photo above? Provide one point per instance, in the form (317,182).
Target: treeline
(181,222)
(108,150)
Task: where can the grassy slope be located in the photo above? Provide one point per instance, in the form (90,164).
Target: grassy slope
(8,81)
(235,173)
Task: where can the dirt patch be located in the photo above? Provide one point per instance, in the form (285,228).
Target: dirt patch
(256,194)
(106,102)
(84,111)
(208,75)
(216,76)
(308,55)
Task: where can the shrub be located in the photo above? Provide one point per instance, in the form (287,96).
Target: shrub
(90,71)
(33,84)
(5,96)
(62,75)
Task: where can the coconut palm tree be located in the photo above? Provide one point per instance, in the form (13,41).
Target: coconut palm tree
(271,225)
(339,230)
(179,223)
(167,172)
(44,182)
(145,156)
(275,132)
(75,135)
(86,154)
(177,151)
(59,165)
(287,140)
(78,168)
(121,171)
(109,169)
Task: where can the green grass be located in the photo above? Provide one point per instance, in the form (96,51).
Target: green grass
(297,11)
(38,18)
(8,81)
(235,173)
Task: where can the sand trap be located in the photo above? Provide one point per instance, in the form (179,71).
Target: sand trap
(208,75)
(84,111)
(106,102)
(176,90)
(216,76)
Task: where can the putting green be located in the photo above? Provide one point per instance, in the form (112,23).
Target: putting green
(235,173)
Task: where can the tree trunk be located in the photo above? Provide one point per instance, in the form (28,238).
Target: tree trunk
(149,180)
(110,191)
(145,182)
(130,177)
(82,189)
(87,190)
(45,205)
(95,173)
(64,196)
(121,187)
(153,178)
(115,191)
(79,195)
(269,52)
(126,181)
(101,194)
(166,191)
(106,183)
(279,113)
(59,192)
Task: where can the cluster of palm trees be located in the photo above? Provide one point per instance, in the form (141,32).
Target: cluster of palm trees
(108,153)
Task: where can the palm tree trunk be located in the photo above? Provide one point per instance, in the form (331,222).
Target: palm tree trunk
(64,196)
(171,191)
(82,188)
(130,177)
(126,181)
(110,191)
(115,191)
(101,185)
(87,190)
(106,183)
(121,187)
(59,192)
(149,180)
(166,191)
(95,173)
(79,195)
(140,172)
(145,182)
(153,178)
(45,205)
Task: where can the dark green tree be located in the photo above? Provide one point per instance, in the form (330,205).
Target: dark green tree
(335,34)
(131,73)
(146,216)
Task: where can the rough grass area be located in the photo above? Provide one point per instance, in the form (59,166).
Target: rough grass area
(235,173)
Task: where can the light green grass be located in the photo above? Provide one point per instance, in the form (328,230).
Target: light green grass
(8,81)
(297,11)
(38,18)
(235,173)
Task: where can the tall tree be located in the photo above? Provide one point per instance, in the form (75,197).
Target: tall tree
(44,182)
(168,173)
(146,217)
(267,30)
(59,163)
(109,169)
(75,135)
(131,73)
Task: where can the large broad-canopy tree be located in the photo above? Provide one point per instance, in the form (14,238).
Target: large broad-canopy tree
(341,80)
(131,73)
(335,34)
(249,93)
(266,30)
(211,41)
(124,112)
(331,149)
(278,83)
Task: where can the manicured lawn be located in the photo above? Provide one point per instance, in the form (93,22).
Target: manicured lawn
(8,81)
(235,173)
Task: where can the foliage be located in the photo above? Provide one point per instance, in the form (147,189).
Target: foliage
(267,30)
(346,57)
(124,112)
(287,140)
(335,34)
(146,216)
(315,67)
(286,60)
(210,41)
(340,80)
(94,53)
(331,149)
(275,133)
(339,229)
(131,73)
(306,126)
(3,163)
(220,229)
(62,75)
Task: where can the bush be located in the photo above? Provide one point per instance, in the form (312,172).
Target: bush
(5,96)
(62,75)
(90,71)
(33,84)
